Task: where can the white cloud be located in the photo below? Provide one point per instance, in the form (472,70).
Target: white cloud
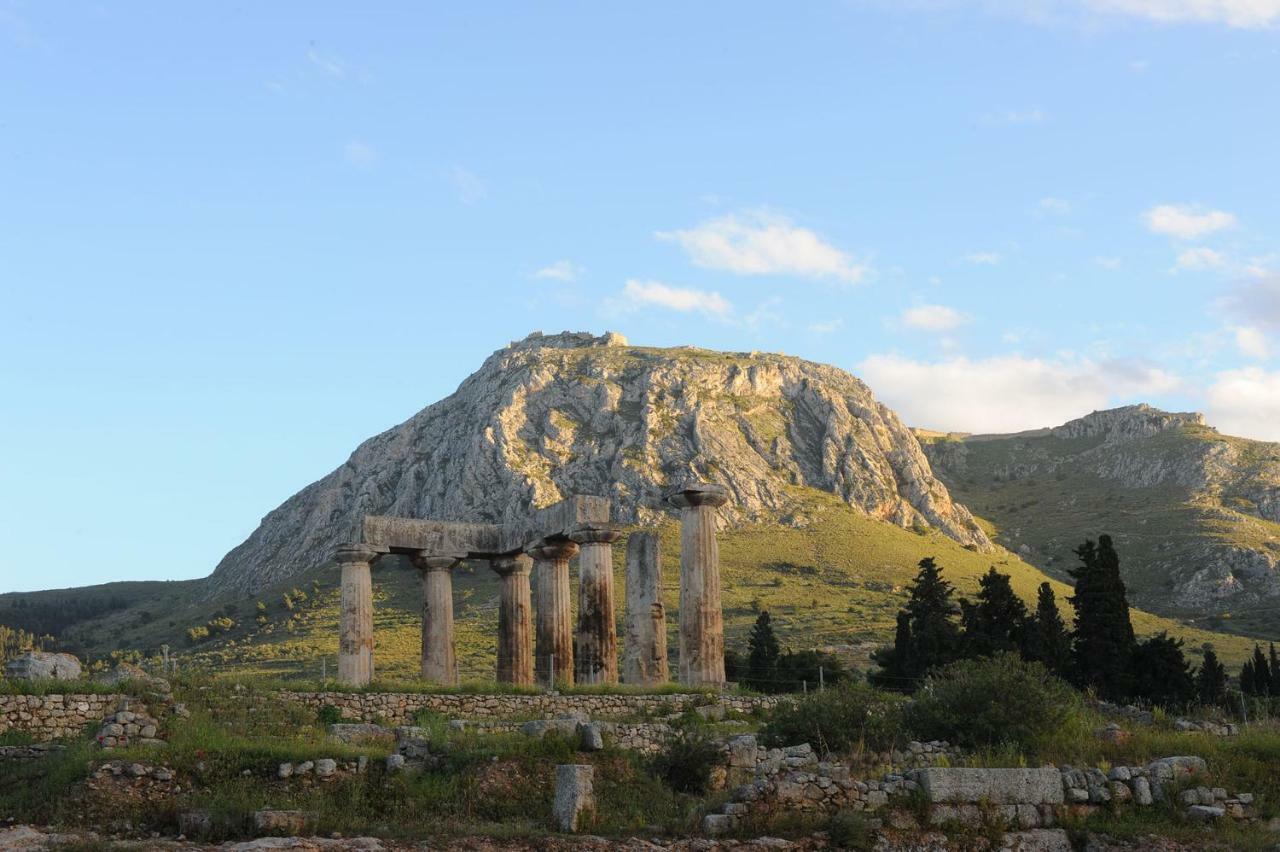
(983,258)
(827,327)
(1007,393)
(1244,14)
(561,270)
(328,64)
(360,154)
(641,293)
(1139,66)
(933,318)
(765,244)
(1186,221)
(1257,302)
(1195,259)
(1108,262)
(1059,206)
(1252,341)
(470,188)
(1246,402)
(1034,115)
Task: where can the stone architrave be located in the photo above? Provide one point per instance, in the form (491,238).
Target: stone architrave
(644,650)
(596,653)
(355,636)
(439,661)
(515,620)
(554,617)
(701,616)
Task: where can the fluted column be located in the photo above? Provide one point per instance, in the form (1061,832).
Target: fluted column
(644,650)
(355,619)
(701,616)
(596,654)
(554,622)
(439,662)
(515,620)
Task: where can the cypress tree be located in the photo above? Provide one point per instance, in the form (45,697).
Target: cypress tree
(1046,639)
(1160,672)
(997,621)
(895,660)
(1275,671)
(1104,640)
(1211,680)
(1262,673)
(927,634)
(1246,678)
(762,656)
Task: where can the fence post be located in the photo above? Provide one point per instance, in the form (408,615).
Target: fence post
(822,681)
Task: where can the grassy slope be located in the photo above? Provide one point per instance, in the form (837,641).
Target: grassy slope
(1156,529)
(837,583)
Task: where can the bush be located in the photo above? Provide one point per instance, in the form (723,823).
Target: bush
(844,719)
(686,761)
(850,830)
(328,715)
(991,701)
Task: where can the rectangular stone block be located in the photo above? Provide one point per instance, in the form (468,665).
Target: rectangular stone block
(998,786)
(439,537)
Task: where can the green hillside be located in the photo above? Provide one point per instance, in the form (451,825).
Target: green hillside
(836,583)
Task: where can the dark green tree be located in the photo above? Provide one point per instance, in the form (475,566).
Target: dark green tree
(1247,685)
(1160,672)
(996,621)
(1046,639)
(1211,680)
(894,660)
(1104,640)
(762,656)
(1262,674)
(933,637)
(1275,671)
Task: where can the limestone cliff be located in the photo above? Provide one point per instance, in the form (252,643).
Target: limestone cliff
(1196,513)
(554,415)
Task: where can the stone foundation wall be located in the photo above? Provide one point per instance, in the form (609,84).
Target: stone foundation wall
(398,708)
(48,717)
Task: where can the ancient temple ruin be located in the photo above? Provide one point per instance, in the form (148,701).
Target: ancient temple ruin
(537,641)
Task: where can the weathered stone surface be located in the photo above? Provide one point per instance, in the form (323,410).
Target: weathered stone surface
(283,822)
(575,795)
(553,631)
(43,665)
(515,620)
(438,660)
(644,650)
(596,653)
(355,626)
(701,614)
(953,785)
(125,672)
(553,416)
(360,732)
(590,736)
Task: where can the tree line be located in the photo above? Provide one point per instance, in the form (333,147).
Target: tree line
(1099,652)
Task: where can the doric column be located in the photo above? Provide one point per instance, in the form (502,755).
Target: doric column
(596,654)
(554,627)
(644,650)
(701,618)
(355,620)
(515,620)
(439,663)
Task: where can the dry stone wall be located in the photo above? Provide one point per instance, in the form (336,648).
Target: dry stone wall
(49,717)
(399,708)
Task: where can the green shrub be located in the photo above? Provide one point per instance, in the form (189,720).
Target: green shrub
(686,761)
(992,701)
(847,718)
(850,830)
(328,715)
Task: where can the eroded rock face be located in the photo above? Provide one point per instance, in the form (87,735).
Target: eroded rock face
(43,665)
(550,416)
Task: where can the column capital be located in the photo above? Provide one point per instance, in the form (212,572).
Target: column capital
(425,560)
(595,535)
(356,552)
(507,565)
(552,549)
(698,494)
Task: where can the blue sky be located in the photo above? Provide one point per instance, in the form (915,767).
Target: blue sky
(237,240)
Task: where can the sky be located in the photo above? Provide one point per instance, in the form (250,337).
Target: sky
(238,239)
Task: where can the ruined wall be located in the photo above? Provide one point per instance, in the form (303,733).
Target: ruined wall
(48,717)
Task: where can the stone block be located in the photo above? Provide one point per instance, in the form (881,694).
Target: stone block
(360,732)
(574,797)
(742,751)
(1037,840)
(590,736)
(1205,813)
(43,665)
(286,823)
(715,825)
(326,767)
(953,785)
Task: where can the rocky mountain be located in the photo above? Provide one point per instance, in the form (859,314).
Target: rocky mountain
(1195,513)
(554,415)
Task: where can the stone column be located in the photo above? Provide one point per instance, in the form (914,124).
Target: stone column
(439,662)
(554,628)
(515,620)
(355,618)
(701,618)
(596,655)
(644,651)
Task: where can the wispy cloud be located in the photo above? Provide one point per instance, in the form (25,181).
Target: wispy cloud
(760,243)
(330,65)
(933,318)
(1198,259)
(1246,402)
(639,293)
(1111,263)
(827,327)
(1186,221)
(1256,302)
(468,186)
(983,258)
(561,270)
(1034,115)
(1252,341)
(1057,206)
(1243,14)
(360,154)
